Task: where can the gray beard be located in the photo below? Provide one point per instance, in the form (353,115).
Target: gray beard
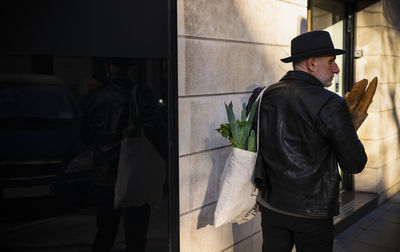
(325,84)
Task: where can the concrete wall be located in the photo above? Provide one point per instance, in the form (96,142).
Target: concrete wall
(225,47)
(378,35)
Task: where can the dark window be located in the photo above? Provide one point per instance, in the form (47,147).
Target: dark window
(53,58)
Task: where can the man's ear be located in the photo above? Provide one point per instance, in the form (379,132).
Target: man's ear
(311,64)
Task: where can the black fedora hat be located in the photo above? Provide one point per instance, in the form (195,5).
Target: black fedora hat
(312,44)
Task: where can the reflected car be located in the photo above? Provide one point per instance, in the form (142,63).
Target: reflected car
(41,153)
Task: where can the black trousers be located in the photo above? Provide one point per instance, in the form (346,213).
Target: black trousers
(281,232)
(136,221)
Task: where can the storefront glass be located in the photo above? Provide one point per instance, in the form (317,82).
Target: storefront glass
(56,164)
(329,16)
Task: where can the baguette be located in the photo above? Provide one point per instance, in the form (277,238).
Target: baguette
(346,96)
(368,95)
(356,94)
(358,118)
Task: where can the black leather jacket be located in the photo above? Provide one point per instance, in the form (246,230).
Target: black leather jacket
(105,115)
(305,131)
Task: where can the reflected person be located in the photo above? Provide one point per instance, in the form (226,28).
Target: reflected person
(104,117)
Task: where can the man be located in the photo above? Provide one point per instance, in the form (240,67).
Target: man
(305,132)
(104,117)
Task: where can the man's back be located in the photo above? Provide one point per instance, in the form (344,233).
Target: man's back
(303,134)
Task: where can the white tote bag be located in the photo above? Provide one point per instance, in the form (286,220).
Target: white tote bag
(237,194)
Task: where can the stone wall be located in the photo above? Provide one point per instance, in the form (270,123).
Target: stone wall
(378,36)
(225,49)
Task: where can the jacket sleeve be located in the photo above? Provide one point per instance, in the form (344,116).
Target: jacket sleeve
(337,126)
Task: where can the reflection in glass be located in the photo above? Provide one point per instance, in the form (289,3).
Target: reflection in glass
(35,96)
(63,119)
(122,110)
(329,16)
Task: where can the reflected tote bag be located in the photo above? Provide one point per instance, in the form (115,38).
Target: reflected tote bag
(141,169)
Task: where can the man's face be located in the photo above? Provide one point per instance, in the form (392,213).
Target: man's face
(325,69)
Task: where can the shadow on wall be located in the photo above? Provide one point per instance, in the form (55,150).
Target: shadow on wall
(395,116)
(303,25)
(391,10)
(206,216)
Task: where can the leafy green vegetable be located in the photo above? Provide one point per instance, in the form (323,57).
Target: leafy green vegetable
(252,145)
(243,112)
(232,121)
(225,130)
(239,133)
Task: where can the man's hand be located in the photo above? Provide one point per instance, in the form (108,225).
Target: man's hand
(359,99)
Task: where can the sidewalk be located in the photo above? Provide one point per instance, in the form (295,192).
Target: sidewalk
(378,231)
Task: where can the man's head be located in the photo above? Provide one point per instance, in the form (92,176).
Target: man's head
(118,65)
(323,68)
(114,65)
(313,53)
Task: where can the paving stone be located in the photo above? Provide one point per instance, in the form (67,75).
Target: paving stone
(396,198)
(391,205)
(379,238)
(385,226)
(388,205)
(395,209)
(358,247)
(366,222)
(377,231)
(347,236)
(377,213)
(337,247)
(391,217)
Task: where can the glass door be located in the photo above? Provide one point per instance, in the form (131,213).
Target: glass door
(329,16)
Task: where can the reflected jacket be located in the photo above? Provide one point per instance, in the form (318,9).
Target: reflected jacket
(305,132)
(105,115)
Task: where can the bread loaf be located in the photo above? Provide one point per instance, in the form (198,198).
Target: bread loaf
(368,95)
(356,94)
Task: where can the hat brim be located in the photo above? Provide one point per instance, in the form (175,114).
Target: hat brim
(310,54)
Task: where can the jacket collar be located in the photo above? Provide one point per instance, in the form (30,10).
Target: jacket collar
(302,76)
